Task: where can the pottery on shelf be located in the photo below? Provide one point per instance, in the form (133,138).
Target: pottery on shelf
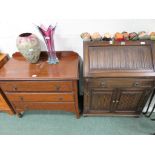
(133,36)
(152,35)
(125,35)
(86,36)
(143,35)
(29,46)
(119,36)
(96,36)
(107,37)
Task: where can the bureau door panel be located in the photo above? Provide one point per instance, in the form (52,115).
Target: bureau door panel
(129,100)
(37,86)
(101,100)
(40,97)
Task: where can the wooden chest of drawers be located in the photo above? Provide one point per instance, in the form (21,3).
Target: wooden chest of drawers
(3,103)
(42,86)
(118,78)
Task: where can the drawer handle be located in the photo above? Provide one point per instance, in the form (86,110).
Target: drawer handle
(15,88)
(117,101)
(61,99)
(137,84)
(21,98)
(57,88)
(102,84)
(113,101)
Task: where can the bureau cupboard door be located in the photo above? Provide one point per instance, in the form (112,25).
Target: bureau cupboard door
(101,100)
(131,100)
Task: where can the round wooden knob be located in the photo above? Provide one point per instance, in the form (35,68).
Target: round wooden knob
(21,98)
(15,88)
(60,99)
(57,88)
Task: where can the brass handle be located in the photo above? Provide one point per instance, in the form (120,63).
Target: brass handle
(57,88)
(15,88)
(61,98)
(113,101)
(137,84)
(117,101)
(21,98)
(102,84)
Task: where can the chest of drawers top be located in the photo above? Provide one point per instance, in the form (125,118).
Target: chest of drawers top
(17,68)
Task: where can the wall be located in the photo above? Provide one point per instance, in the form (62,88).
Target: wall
(67,36)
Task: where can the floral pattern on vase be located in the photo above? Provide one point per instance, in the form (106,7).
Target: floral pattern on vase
(29,46)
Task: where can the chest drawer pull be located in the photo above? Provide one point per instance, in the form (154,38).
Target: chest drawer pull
(61,99)
(21,98)
(57,88)
(15,88)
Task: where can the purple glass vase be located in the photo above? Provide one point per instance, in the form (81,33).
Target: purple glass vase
(47,34)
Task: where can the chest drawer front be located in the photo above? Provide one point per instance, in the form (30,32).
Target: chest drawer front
(36,86)
(114,83)
(3,104)
(40,97)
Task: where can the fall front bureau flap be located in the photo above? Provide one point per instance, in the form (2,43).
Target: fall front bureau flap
(133,58)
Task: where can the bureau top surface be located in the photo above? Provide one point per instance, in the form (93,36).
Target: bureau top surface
(17,68)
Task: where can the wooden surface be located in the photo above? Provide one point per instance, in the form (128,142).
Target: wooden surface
(4,106)
(116,60)
(19,69)
(54,87)
(118,79)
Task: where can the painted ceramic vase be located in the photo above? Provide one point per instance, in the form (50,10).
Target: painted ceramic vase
(86,36)
(29,46)
(96,36)
(143,35)
(107,37)
(133,36)
(119,36)
(152,35)
(125,35)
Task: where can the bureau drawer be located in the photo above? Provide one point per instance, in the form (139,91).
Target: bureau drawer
(40,97)
(37,86)
(112,83)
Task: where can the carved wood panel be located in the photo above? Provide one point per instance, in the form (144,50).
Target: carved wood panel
(101,100)
(129,100)
(119,58)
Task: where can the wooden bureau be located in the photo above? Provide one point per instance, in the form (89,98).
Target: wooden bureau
(42,86)
(118,77)
(3,103)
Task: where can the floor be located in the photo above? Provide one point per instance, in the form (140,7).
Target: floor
(63,123)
